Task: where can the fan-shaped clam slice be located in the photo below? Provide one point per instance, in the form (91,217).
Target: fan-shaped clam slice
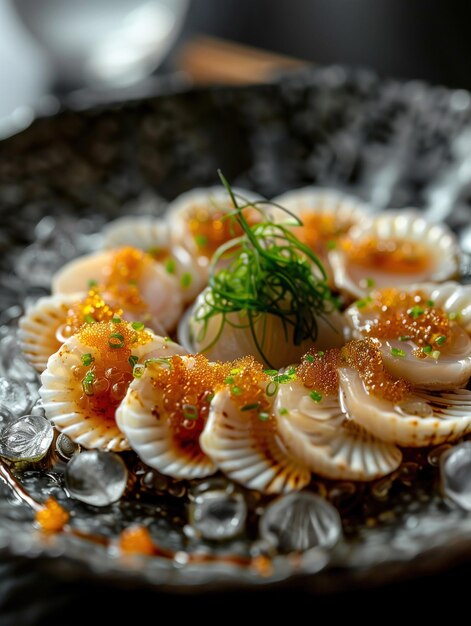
(268,340)
(318,433)
(39,333)
(249,450)
(153,237)
(128,278)
(326,215)
(394,248)
(423,329)
(197,220)
(420,419)
(86,379)
(163,415)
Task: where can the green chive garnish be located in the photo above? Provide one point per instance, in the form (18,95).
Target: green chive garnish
(271,388)
(190,411)
(133,359)
(251,407)
(427,349)
(138,325)
(320,353)
(138,370)
(116,320)
(186,280)
(87,359)
(416,311)
(89,319)
(170,265)
(270,372)
(201,240)
(309,358)
(440,340)
(92,284)
(430,303)
(405,338)
(316,396)
(283,411)
(263,416)
(87,383)
(236,391)
(398,352)
(436,354)
(116,340)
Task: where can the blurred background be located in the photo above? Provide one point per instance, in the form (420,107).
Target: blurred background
(111,49)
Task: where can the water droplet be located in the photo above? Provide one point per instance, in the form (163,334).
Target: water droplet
(27,438)
(300,521)
(96,477)
(414,407)
(217,515)
(15,395)
(65,447)
(456,474)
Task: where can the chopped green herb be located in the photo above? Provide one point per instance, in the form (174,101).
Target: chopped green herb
(201,240)
(116,340)
(160,360)
(331,245)
(436,354)
(186,280)
(271,388)
(360,304)
(416,311)
(440,340)
(236,391)
(229,380)
(92,284)
(427,349)
(398,352)
(167,340)
(235,370)
(320,353)
(251,407)
(87,383)
(316,396)
(133,359)
(190,411)
(87,359)
(283,411)
(454,315)
(170,265)
(270,372)
(138,325)
(430,303)
(116,320)
(138,370)
(309,358)
(367,282)
(263,416)
(405,338)
(209,398)
(89,319)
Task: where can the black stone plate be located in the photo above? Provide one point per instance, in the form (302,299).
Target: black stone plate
(392,143)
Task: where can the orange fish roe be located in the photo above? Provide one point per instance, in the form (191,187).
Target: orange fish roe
(211,227)
(319,229)
(388,255)
(136,540)
(122,282)
(319,370)
(365,357)
(52,517)
(407,316)
(92,308)
(107,370)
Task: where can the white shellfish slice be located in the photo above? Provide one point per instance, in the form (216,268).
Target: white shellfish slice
(345,210)
(321,436)
(60,393)
(38,328)
(235,339)
(421,419)
(158,289)
(153,236)
(453,367)
(179,210)
(145,422)
(250,451)
(406,225)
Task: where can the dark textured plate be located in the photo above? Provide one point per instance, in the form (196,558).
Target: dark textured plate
(391,143)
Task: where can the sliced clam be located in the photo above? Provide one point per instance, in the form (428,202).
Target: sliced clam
(165,411)
(153,237)
(266,337)
(86,379)
(130,279)
(40,329)
(248,449)
(198,220)
(394,248)
(420,418)
(317,432)
(423,329)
